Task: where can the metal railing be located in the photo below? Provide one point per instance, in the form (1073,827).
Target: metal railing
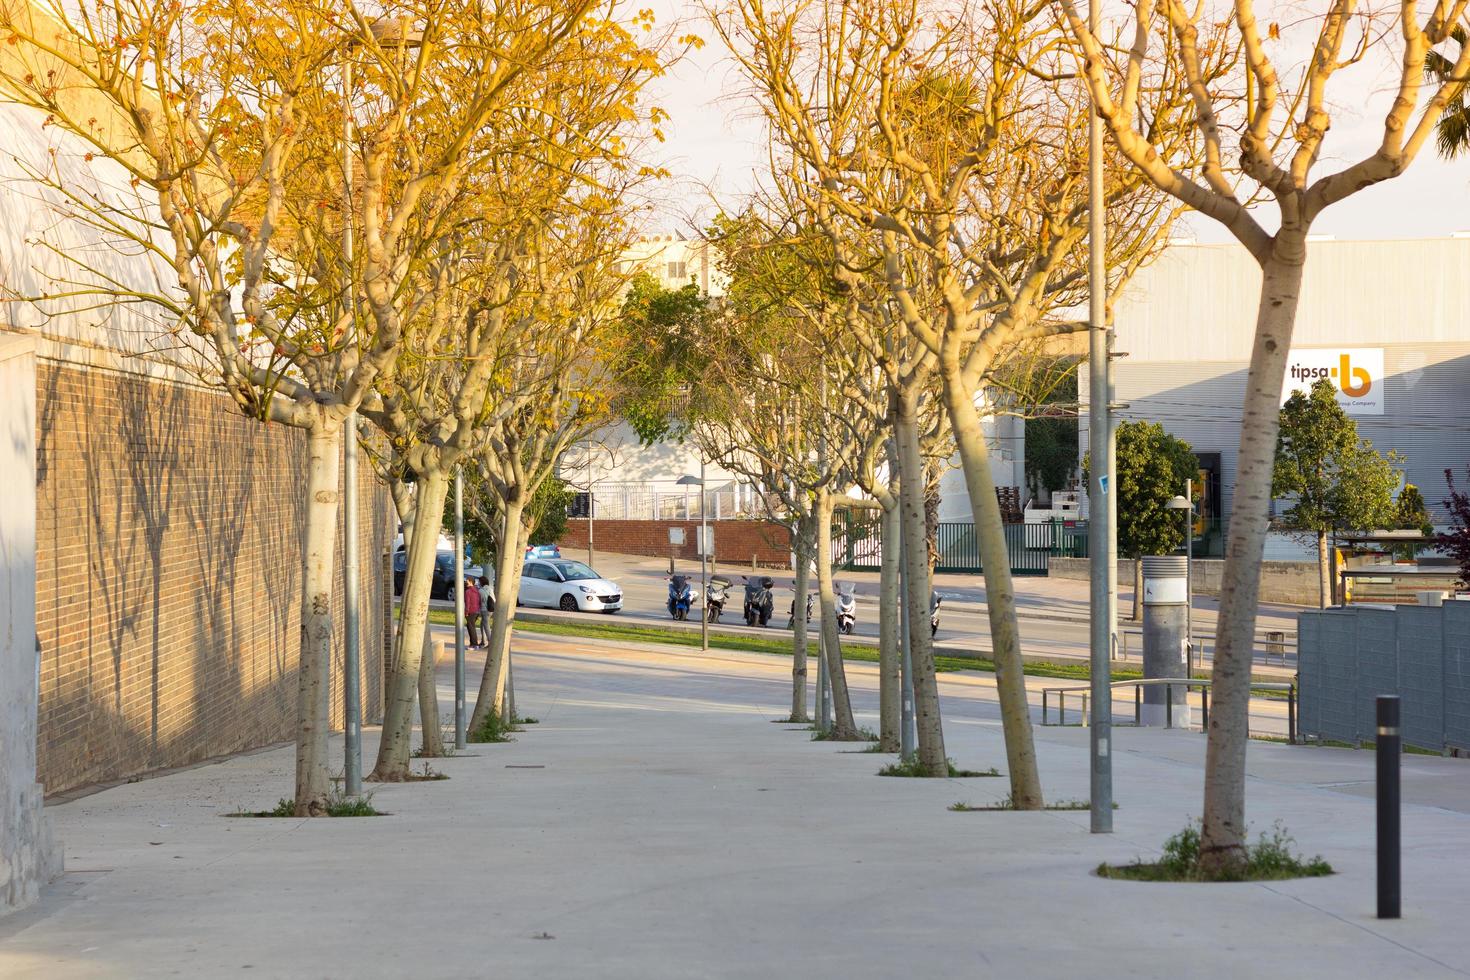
(1169,684)
(1275,647)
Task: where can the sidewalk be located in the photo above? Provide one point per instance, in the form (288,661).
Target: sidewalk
(655,824)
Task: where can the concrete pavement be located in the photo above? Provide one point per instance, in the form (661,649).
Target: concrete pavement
(655,824)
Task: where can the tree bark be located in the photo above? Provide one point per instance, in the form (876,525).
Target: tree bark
(844,728)
(1223,829)
(890,657)
(413,622)
(431,736)
(1000,594)
(1137,589)
(799,638)
(930,730)
(313,681)
(508,564)
(1324,577)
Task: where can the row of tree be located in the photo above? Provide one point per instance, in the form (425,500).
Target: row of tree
(925,218)
(416,217)
(412,217)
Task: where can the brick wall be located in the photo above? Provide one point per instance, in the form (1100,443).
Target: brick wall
(169,577)
(735,541)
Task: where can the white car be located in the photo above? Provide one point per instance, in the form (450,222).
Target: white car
(570,585)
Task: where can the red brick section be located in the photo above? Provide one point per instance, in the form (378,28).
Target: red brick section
(736,542)
(169,577)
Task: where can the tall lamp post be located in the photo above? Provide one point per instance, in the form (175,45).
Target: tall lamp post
(1186,504)
(1100,428)
(689,481)
(392,32)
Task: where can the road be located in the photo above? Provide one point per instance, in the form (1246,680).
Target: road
(1054,623)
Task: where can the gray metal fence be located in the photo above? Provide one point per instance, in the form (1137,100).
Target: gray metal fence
(1422,653)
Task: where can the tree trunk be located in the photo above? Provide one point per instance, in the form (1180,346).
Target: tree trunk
(844,728)
(1137,589)
(508,564)
(1000,594)
(890,657)
(799,638)
(1324,577)
(313,681)
(413,622)
(921,647)
(431,736)
(1222,833)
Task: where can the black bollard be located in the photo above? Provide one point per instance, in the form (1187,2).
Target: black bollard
(1389,748)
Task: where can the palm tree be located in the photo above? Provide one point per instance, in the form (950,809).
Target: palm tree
(1453,131)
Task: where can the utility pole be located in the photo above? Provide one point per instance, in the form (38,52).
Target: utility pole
(459,732)
(703,560)
(351,608)
(1101,491)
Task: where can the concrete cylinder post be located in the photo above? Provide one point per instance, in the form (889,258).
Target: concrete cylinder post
(1165,639)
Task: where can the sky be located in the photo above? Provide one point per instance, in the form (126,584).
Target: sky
(715,147)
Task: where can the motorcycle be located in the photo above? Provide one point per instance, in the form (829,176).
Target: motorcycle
(759,603)
(791,617)
(934,602)
(681,597)
(719,588)
(847,609)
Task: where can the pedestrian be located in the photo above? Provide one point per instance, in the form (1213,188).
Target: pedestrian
(487,603)
(472,611)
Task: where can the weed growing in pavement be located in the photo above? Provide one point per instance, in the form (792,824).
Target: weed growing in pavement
(1269,859)
(1009,804)
(426,775)
(339,804)
(492,730)
(912,767)
(830,735)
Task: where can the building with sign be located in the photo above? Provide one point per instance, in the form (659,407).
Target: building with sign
(1388,322)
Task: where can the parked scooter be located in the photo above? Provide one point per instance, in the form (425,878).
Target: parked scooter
(791,615)
(681,597)
(759,603)
(719,588)
(846,608)
(934,602)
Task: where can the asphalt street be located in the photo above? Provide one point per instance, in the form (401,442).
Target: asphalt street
(1054,612)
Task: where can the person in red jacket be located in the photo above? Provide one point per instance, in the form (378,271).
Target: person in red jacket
(472,619)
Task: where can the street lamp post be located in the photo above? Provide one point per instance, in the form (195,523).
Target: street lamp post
(1186,504)
(703,553)
(1100,537)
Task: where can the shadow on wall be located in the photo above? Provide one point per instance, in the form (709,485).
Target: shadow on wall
(169,573)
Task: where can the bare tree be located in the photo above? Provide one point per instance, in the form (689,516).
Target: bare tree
(1275,125)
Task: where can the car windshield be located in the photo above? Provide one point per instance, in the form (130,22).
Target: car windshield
(574,570)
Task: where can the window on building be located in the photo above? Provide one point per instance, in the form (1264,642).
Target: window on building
(676,271)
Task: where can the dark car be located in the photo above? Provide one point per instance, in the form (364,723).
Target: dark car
(443,587)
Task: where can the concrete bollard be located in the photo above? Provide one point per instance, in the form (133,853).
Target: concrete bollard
(1165,642)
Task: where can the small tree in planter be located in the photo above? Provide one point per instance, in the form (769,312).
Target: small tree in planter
(1456,541)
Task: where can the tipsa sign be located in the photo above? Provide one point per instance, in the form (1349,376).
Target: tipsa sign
(1356,373)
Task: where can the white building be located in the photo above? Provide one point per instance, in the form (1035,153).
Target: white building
(676,262)
(1389,321)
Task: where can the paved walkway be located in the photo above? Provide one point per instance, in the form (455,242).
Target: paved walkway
(656,824)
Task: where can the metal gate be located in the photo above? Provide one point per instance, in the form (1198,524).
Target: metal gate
(857,545)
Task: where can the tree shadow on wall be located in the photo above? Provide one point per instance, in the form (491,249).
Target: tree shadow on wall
(282,524)
(220,460)
(116,594)
(151,423)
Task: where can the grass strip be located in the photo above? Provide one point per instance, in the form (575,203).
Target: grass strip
(780,646)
